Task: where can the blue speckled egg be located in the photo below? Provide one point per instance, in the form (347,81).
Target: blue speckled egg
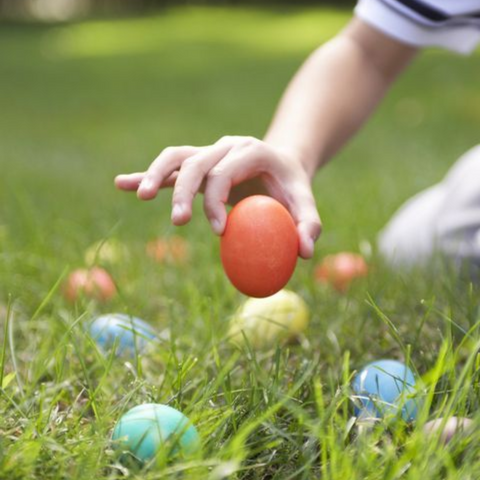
(145,429)
(130,334)
(384,387)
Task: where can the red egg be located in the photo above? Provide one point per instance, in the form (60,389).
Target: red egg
(259,247)
(93,283)
(339,270)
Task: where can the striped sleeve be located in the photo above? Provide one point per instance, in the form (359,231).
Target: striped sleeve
(415,23)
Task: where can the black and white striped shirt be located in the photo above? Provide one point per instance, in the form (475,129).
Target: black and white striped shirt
(451,24)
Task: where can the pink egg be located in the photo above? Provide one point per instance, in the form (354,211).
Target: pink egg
(341,269)
(452,427)
(93,283)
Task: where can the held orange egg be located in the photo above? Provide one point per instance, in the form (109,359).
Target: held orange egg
(259,247)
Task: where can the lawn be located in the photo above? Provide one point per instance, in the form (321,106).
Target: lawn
(80,103)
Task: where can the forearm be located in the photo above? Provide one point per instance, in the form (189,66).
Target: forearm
(334,92)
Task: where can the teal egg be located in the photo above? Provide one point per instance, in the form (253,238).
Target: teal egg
(145,429)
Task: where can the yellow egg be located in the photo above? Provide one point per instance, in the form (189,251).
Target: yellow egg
(110,251)
(266,322)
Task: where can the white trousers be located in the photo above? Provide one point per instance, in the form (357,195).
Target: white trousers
(444,219)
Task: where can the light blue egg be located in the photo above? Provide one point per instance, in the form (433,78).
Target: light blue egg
(145,429)
(130,334)
(383,387)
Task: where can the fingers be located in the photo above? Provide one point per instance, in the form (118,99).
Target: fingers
(190,178)
(129,182)
(238,165)
(162,167)
(170,181)
(243,163)
(220,167)
(304,211)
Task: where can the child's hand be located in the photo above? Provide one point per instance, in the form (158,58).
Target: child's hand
(217,169)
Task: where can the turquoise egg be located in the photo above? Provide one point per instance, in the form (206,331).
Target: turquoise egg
(145,429)
(129,334)
(383,388)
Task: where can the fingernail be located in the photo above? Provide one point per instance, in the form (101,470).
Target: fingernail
(310,244)
(177,211)
(216,226)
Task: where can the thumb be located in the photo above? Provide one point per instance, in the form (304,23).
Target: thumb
(309,226)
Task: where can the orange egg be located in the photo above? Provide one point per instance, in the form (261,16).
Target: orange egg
(339,270)
(93,283)
(173,249)
(259,247)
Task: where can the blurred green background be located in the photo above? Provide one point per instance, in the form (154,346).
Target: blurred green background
(85,100)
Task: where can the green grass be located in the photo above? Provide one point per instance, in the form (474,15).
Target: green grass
(80,103)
